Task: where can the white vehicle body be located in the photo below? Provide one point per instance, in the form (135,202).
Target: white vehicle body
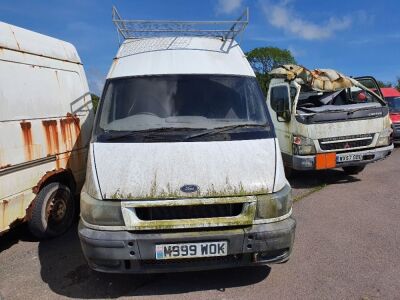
(326,136)
(45,119)
(126,176)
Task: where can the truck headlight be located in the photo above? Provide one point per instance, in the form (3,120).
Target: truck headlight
(275,204)
(101,212)
(385,137)
(303,145)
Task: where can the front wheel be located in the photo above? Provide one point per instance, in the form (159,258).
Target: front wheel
(53,211)
(353,170)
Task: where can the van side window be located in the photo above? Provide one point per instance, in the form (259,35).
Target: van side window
(279,96)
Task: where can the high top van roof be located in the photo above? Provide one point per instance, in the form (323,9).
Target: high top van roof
(179,55)
(23,40)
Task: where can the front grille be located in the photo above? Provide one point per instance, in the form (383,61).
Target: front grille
(188,211)
(346,142)
(396,126)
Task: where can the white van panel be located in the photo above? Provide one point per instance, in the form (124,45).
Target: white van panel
(23,40)
(45,117)
(159,170)
(179,55)
(62,86)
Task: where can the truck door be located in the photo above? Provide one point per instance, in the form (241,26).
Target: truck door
(280,103)
(371,83)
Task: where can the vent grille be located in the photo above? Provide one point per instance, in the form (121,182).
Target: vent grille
(184,261)
(189,211)
(346,142)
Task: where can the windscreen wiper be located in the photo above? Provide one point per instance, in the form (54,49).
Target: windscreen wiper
(113,135)
(222,129)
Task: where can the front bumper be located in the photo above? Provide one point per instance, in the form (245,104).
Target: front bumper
(307,162)
(128,252)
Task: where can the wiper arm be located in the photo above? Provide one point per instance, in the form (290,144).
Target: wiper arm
(146,131)
(221,129)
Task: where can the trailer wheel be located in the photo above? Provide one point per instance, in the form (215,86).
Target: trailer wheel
(353,170)
(53,211)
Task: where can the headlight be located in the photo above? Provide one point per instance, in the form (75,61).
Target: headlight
(385,137)
(303,145)
(101,212)
(274,205)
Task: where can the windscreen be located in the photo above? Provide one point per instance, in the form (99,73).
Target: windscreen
(346,99)
(181,101)
(394,104)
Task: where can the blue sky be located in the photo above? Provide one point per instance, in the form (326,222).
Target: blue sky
(358,37)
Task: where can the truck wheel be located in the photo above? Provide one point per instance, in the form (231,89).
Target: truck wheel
(52,211)
(353,170)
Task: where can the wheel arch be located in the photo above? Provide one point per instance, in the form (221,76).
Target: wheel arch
(63,176)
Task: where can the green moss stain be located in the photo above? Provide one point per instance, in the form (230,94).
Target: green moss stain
(157,193)
(246,218)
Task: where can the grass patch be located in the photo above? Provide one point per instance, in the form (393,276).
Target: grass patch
(308,193)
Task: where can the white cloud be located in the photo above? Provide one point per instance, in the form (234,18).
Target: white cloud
(283,17)
(228,6)
(296,52)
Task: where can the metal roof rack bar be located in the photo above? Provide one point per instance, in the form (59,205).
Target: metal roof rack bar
(133,29)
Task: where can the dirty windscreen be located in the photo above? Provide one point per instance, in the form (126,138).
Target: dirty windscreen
(394,104)
(181,101)
(311,101)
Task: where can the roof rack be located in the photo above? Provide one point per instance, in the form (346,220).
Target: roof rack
(133,29)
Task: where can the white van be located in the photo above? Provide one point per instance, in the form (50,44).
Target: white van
(324,119)
(184,168)
(45,126)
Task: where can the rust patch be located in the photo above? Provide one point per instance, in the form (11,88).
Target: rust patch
(15,38)
(70,131)
(4,205)
(58,80)
(46,176)
(51,132)
(28,141)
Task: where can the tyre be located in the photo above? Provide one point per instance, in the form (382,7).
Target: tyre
(53,211)
(353,170)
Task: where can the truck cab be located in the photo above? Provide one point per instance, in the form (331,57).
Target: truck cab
(325,120)
(392,97)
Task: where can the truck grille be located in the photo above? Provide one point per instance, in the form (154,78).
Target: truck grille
(188,211)
(396,127)
(346,142)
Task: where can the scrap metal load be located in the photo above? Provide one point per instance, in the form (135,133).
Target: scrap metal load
(324,80)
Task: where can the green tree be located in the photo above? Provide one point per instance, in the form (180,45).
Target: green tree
(95,101)
(384,84)
(398,83)
(264,59)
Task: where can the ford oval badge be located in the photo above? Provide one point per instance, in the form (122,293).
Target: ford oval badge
(189,188)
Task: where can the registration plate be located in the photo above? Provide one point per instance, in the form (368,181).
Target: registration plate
(348,157)
(190,250)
